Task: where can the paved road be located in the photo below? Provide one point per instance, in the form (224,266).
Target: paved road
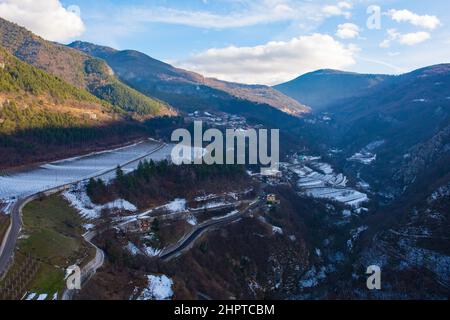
(187,241)
(10,239)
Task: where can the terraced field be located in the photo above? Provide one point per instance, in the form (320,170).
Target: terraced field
(318,180)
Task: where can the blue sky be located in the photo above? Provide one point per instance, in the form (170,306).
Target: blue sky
(255,41)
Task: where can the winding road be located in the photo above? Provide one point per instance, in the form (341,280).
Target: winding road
(188,240)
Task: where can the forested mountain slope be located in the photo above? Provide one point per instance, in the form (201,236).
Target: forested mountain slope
(44,118)
(78,69)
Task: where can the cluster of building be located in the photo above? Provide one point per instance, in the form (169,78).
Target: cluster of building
(220,119)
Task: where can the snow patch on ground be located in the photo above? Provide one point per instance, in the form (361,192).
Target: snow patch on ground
(192,220)
(31,296)
(232,213)
(442,192)
(207,197)
(79,200)
(6,205)
(354,236)
(366,155)
(277,230)
(364,185)
(363,157)
(35,296)
(88,226)
(414,256)
(312,278)
(178,205)
(212,205)
(346,213)
(152,252)
(132,248)
(121,204)
(158,288)
(42,297)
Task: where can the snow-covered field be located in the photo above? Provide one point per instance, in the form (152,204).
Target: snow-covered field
(318,180)
(158,288)
(177,205)
(68,171)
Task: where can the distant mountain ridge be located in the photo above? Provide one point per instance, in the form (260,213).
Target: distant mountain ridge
(151,75)
(322,88)
(78,69)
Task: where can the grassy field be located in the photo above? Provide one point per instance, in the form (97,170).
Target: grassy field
(52,234)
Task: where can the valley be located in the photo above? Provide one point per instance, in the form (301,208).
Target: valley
(87,178)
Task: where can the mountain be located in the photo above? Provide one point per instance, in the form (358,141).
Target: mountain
(43,118)
(393,140)
(26,89)
(323,88)
(78,69)
(409,108)
(158,78)
(391,120)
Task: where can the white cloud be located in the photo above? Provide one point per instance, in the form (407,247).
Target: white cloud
(273,62)
(249,13)
(392,36)
(347,31)
(409,39)
(425,21)
(239,13)
(47,18)
(341,9)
